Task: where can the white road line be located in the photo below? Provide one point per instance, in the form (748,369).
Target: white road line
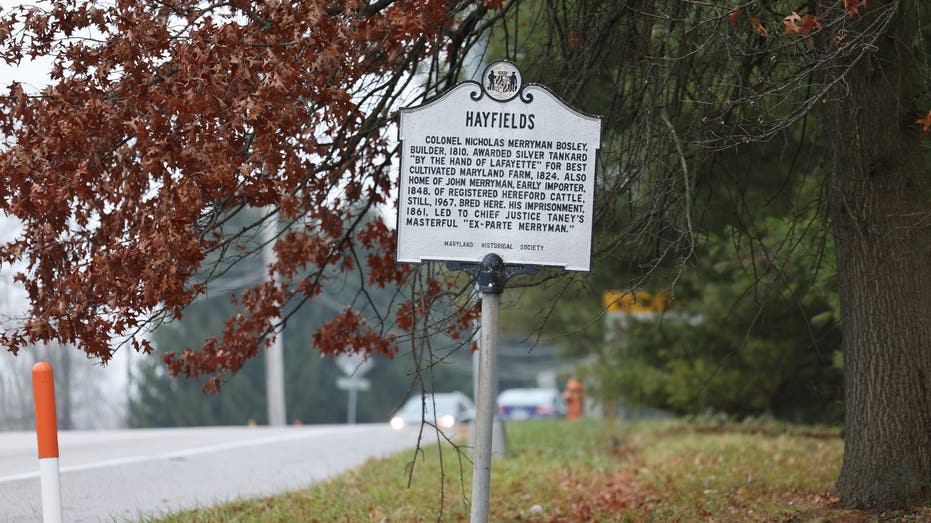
(182,453)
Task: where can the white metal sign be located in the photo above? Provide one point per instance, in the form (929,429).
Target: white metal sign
(354,364)
(497,167)
(353,383)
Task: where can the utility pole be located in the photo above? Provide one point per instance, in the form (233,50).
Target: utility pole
(274,356)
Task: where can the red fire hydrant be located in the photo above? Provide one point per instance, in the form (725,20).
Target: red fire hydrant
(574,399)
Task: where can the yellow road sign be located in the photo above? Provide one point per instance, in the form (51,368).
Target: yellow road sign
(635,301)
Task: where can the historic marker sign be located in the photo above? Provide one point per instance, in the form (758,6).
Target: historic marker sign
(497,167)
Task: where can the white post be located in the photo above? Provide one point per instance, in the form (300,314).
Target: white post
(485,407)
(353,400)
(50,485)
(274,356)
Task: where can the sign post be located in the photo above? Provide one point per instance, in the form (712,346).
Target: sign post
(354,366)
(497,179)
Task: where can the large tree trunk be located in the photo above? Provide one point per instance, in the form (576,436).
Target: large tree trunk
(880,207)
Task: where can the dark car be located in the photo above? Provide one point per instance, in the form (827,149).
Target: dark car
(533,403)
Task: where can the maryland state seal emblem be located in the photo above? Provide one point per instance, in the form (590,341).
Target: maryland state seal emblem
(502,80)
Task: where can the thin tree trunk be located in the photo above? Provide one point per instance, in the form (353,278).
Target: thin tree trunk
(880,207)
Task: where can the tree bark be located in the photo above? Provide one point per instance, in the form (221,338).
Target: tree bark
(880,208)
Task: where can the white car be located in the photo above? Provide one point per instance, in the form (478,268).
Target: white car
(452,409)
(533,403)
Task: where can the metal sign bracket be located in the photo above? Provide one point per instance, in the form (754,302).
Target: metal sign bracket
(492,274)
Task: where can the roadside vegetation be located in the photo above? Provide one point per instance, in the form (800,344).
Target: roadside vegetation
(592,470)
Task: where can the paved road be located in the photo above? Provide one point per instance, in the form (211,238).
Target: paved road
(121,475)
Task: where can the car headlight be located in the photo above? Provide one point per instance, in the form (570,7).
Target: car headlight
(447,421)
(397,423)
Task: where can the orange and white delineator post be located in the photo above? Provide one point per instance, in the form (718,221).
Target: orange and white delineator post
(43,390)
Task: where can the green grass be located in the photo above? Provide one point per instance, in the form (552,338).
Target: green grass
(591,470)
